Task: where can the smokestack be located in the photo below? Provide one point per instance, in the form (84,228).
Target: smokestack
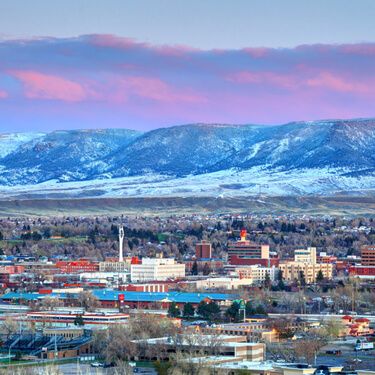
(121,235)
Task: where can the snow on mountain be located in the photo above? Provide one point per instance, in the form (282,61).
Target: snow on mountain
(63,155)
(322,157)
(11,141)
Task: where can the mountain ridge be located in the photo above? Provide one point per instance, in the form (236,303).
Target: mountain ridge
(336,155)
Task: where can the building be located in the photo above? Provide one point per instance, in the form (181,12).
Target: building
(203,250)
(114,267)
(362,272)
(215,265)
(305,255)
(246,252)
(156,269)
(151,288)
(109,298)
(68,317)
(227,347)
(251,330)
(357,326)
(77,266)
(368,255)
(291,271)
(229,283)
(323,257)
(256,273)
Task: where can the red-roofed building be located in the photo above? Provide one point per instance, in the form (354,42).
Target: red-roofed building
(357,327)
(77,266)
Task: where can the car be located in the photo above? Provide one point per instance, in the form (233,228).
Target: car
(108,364)
(333,352)
(96,364)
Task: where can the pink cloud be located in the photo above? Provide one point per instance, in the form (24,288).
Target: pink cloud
(286,81)
(336,83)
(44,86)
(112,41)
(3,94)
(158,90)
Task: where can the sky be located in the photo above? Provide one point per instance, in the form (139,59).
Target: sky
(146,64)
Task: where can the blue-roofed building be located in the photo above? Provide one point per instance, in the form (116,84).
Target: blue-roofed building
(113,298)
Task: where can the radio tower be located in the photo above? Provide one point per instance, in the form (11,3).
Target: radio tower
(121,235)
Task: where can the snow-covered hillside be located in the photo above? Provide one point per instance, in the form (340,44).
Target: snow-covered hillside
(320,158)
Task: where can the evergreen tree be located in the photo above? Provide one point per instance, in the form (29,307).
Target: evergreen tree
(260,310)
(173,311)
(194,268)
(78,321)
(319,277)
(206,269)
(233,312)
(301,278)
(210,311)
(280,280)
(188,310)
(249,309)
(267,281)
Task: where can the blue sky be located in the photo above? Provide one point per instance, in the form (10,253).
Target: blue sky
(206,24)
(145,64)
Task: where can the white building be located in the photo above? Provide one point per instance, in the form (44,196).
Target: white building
(256,273)
(222,283)
(305,255)
(156,269)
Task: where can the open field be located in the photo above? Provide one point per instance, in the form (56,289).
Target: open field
(309,205)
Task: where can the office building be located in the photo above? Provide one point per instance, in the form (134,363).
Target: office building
(203,250)
(156,269)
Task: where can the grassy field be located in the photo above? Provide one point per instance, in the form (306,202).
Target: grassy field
(309,205)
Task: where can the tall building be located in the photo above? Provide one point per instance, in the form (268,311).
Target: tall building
(156,269)
(368,255)
(305,255)
(292,270)
(247,252)
(203,250)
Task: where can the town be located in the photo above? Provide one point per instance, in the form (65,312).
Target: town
(189,294)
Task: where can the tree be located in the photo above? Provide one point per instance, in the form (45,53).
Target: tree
(233,312)
(319,277)
(210,311)
(280,280)
(88,301)
(282,326)
(260,310)
(309,347)
(267,281)
(301,278)
(78,321)
(188,310)
(206,269)
(50,303)
(9,327)
(249,309)
(194,268)
(173,310)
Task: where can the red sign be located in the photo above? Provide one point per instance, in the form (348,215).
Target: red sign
(121,297)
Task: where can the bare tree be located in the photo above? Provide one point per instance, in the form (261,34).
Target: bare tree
(9,327)
(88,301)
(50,303)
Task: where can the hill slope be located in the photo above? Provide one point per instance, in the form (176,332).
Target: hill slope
(322,157)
